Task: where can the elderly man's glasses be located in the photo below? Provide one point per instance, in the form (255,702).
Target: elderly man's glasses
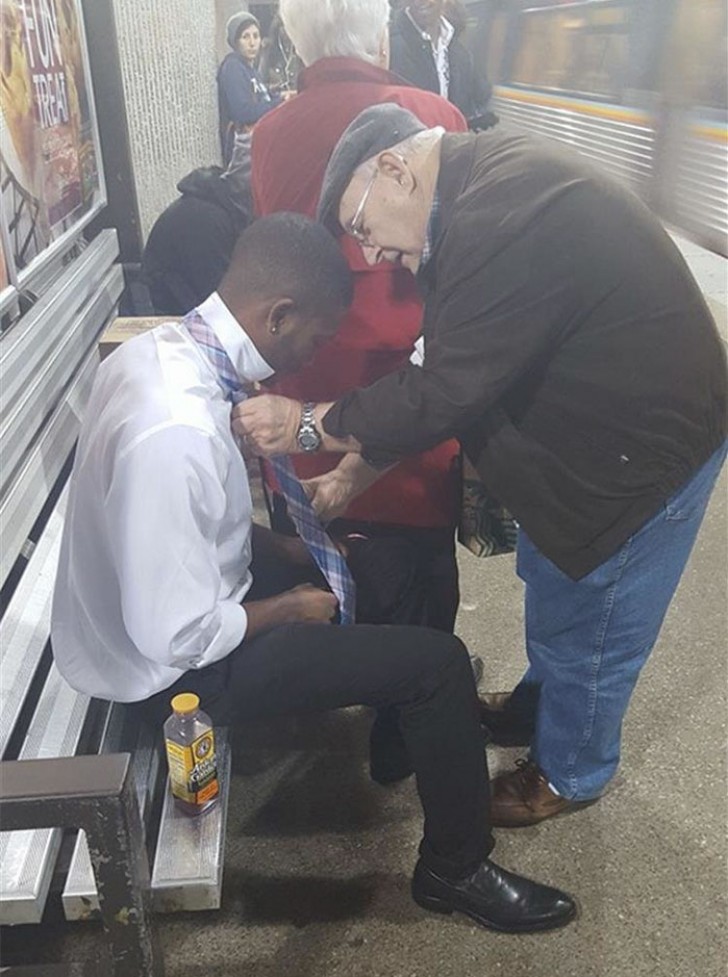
(356,224)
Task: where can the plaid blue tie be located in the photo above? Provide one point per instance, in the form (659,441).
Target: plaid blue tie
(320,545)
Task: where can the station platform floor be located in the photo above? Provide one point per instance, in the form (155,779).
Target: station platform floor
(319,859)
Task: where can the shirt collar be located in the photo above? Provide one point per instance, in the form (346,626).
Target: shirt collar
(238,345)
(433,227)
(446,31)
(326,71)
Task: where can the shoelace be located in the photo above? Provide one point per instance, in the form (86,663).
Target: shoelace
(527,775)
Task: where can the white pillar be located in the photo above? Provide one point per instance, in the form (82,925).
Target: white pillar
(168,56)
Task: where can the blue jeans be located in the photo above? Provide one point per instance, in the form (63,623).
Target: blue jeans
(588,639)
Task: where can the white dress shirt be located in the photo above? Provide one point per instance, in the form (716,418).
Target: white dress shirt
(156,549)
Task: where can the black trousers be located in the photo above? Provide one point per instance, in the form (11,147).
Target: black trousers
(403,574)
(422,673)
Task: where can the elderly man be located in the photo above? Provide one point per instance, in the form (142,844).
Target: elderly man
(400,533)
(570,350)
(162,584)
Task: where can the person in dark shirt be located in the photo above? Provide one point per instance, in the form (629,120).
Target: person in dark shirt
(569,348)
(243,97)
(189,247)
(425,50)
(279,64)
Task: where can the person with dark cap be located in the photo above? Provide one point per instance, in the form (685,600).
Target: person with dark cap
(243,97)
(189,246)
(568,347)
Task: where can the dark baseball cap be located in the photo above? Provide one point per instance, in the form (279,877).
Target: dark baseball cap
(375,129)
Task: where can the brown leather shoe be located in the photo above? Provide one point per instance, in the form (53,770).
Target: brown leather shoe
(523,797)
(504,725)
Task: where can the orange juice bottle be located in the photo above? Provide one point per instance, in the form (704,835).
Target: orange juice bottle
(190,742)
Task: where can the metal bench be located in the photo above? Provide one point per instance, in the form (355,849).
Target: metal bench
(68,761)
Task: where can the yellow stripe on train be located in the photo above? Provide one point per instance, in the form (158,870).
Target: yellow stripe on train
(615,113)
(714,133)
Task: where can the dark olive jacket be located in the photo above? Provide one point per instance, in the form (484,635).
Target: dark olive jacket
(567,345)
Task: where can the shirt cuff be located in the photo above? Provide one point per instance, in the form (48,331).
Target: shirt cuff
(379,460)
(232,631)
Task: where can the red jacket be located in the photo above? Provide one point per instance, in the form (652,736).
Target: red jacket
(291,147)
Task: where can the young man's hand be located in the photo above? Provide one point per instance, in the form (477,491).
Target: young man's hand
(310,605)
(304,604)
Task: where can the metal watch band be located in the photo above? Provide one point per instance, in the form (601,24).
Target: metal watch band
(309,438)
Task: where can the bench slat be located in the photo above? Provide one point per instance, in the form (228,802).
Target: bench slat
(38,335)
(41,393)
(188,864)
(80,897)
(26,624)
(28,857)
(22,504)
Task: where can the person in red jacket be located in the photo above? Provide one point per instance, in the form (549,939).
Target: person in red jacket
(400,534)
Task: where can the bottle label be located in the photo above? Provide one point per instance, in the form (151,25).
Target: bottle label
(193,769)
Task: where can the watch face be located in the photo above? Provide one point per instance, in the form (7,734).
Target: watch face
(309,439)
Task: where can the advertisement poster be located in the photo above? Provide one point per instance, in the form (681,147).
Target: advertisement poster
(49,150)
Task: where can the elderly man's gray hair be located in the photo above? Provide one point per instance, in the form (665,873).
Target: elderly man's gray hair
(336,28)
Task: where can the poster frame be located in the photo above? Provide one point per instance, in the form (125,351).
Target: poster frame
(10,293)
(22,278)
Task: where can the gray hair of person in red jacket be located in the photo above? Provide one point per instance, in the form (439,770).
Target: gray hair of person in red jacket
(338,29)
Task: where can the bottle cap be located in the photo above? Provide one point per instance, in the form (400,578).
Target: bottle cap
(186,702)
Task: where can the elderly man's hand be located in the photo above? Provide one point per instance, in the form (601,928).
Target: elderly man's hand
(268,424)
(330,493)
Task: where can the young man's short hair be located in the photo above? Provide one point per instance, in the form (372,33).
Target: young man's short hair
(290,255)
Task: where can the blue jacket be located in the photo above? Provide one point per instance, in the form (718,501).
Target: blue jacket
(242,98)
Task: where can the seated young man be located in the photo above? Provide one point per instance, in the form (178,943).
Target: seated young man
(155,592)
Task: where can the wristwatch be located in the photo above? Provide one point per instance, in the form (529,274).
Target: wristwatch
(308,438)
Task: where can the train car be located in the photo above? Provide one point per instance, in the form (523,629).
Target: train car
(637,85)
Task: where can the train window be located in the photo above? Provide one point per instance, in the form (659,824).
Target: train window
(580,47)
(496,44)
(695,70)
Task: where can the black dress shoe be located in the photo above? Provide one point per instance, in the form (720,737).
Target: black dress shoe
(495,898)
(503,724)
